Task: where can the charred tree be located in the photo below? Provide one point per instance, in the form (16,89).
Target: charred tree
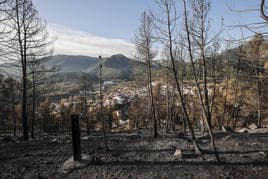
(144,45)
(166,28)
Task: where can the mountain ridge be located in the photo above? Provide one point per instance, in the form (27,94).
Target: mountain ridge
(114,67)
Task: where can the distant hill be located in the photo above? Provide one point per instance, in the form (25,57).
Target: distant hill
(114,67)
(244,56)
(66,63)
(71,68)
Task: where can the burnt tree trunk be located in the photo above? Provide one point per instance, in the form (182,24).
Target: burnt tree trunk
(76,138)
(33,105)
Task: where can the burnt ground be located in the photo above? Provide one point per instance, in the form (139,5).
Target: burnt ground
(243,155)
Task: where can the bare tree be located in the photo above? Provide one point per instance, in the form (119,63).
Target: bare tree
(227,78)
(170,92)
(166,27)
(85,85)
(254,58)
(144,48)
(181,53)
(199,33)
(167,93)
(28,38)
(38,75)
(237,78)
(101,108)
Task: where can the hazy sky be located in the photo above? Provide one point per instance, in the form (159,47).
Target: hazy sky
(110,20)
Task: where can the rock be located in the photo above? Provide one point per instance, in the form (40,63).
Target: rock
(262,153)
(252,126)
(242,130)
(178,154)
(71,164)
(259,130)
(54,140)
(226,129)
(85,138)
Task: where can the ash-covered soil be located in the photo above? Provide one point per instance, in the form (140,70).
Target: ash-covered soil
(242,155)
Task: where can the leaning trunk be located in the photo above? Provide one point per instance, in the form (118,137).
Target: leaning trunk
(205,111)
(197,149)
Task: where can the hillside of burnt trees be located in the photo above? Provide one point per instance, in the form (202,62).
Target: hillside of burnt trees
(194,106)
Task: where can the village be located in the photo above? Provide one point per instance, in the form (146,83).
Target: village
(117,99)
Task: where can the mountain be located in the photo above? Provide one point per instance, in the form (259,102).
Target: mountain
(66,63)
(10,69)
(70,68)
(245,56)
(116,67)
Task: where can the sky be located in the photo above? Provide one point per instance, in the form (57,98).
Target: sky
(107,27)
